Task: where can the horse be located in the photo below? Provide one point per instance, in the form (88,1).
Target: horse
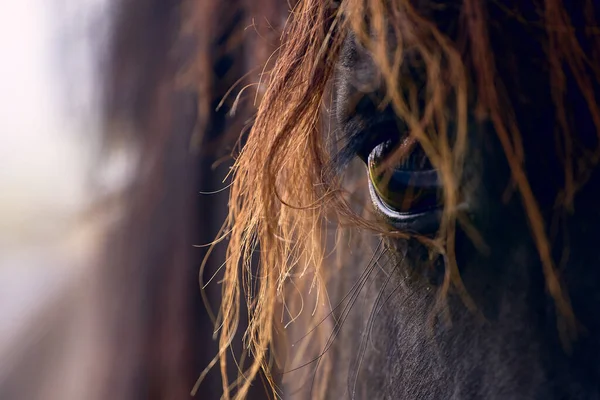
(412,213)
(411,206)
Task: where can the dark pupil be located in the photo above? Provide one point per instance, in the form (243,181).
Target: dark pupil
(404,182)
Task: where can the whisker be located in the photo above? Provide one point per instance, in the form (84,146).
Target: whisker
(352,294)
(346,311)
(369,326)
(341,301)
(216,191)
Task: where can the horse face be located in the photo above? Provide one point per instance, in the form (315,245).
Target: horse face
(513,344)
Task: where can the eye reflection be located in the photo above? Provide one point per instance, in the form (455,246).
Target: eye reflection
(403,178)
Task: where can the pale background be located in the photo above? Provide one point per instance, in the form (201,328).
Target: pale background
(49,132)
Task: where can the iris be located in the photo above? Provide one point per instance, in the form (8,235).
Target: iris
(402,178)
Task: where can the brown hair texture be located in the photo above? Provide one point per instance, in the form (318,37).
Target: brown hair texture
(283,201)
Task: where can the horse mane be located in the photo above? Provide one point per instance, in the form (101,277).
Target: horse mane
(282,201)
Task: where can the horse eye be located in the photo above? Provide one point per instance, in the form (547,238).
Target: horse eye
(403,182)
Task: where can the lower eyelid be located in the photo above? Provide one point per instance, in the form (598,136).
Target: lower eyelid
(419,223)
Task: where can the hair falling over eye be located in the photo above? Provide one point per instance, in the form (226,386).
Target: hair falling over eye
(282,199)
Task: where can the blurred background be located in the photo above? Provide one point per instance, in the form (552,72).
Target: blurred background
(118,117)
